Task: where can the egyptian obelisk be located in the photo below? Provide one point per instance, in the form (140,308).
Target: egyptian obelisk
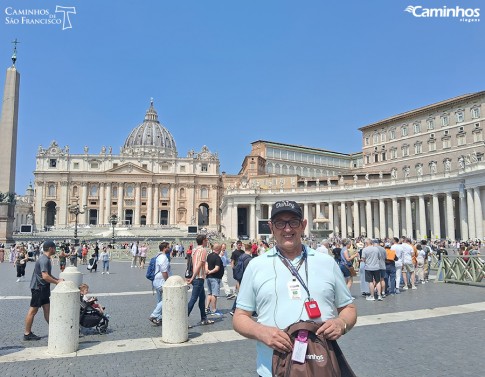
(8,150)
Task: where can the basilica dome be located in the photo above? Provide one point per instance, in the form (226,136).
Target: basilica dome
(150,136)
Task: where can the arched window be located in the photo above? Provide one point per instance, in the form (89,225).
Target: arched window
(182,193)
(143,192)
(75,191)
(93,190)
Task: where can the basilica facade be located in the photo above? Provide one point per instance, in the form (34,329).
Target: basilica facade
(420,174)
(146,185)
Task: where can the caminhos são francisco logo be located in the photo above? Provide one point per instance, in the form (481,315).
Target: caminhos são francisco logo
(40,16)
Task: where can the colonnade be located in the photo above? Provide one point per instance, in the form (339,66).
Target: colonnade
(439,215)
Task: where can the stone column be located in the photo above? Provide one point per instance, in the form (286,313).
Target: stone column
(409,218)
(63,212)
(375,215)
(436,217)
(349,218)
(102,217)
(422,217)
(463,216)
(108,200)
(390,233)
(257,217)
(317,211)
(234,221)
(252,222)
(471,214)
(368,218)
(156,203)
(121,195)
(309,217)
(71,273)
(402,205)
(450,223)
(149,204)
(136,215)
(336,222)
(64,319)
(39,218)
(362,217)
(330,216)
(478,213)
(382,218)
(83,219)
(356,219)
(172,217)
(174,314)
(270,208)
(192,203)
(395,218)
(343,220)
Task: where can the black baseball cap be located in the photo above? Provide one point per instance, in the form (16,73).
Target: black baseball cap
(287,206)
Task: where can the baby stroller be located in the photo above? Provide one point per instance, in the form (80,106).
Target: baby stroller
(90,317)
(93,263)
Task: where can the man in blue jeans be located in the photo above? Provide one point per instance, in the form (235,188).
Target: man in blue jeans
(199,257)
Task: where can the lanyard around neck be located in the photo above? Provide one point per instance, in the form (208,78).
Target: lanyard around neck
(294,270)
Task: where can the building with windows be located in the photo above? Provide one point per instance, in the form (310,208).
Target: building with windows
(147,184)
(420,174)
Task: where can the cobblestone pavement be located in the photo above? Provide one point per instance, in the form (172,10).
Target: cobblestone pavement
(415,342)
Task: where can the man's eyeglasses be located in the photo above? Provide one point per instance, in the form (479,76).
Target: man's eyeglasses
(280,224)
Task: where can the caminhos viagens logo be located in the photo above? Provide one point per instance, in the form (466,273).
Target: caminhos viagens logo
(457,12)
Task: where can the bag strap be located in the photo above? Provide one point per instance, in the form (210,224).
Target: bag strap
(310,326)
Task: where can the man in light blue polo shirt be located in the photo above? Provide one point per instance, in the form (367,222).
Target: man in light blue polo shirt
(269,288)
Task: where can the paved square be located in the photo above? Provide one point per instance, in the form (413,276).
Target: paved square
(434,331)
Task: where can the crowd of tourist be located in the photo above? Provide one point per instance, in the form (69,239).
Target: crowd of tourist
(384,266)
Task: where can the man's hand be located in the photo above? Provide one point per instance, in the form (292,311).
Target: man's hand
(332,329)
(276,339)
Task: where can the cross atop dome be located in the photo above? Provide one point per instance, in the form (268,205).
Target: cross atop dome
(151,114)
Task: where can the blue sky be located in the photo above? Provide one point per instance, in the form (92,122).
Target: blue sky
(224,73)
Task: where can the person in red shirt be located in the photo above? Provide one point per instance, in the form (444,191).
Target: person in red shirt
(254,250)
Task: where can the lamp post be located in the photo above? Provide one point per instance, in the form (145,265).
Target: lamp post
(75,209)
(113,219)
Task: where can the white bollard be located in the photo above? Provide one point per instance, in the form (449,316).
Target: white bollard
(64,319)
(175,319)
(71,273)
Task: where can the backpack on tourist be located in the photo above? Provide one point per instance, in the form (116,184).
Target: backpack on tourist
(189,270)
(323,357)
(152,267)
(241,266)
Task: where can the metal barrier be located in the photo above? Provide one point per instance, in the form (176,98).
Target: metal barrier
(468,269)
